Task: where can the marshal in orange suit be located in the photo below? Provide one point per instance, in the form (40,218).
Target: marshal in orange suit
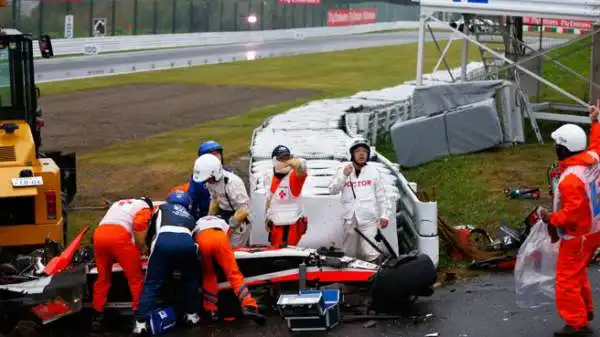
(119,238)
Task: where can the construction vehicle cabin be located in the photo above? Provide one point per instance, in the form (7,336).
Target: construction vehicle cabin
(35,187)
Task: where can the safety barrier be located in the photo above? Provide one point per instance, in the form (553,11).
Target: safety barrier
(396,101)
(111,44)
(320,131)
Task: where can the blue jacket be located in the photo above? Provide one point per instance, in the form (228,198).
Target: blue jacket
(200,197)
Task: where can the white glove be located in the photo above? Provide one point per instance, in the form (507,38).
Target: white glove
(233,222)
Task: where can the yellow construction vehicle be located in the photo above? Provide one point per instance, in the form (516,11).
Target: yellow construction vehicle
(35,187)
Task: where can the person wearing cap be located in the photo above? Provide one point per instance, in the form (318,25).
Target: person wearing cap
(363,196)
(575,222)
(284,218)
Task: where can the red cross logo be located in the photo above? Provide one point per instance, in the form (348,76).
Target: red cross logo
(281,194)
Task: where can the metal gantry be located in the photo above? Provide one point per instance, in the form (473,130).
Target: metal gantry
(509,25)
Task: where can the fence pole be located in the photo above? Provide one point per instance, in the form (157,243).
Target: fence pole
(41,18)
(262,15)
(221,15)
(135,15)
(174,17)
(91,22)
(154,16)
(191,9)
(236,19)
(113,24)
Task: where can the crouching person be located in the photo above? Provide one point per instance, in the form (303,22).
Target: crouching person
(229,199)
(114,240)
(172,247)
(213,244)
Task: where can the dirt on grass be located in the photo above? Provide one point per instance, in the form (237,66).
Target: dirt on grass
(89,120)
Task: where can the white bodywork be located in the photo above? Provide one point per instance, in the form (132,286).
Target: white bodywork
(313,131)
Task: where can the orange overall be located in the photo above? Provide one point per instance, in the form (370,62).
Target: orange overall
(288,234)
(574,219)
(113,241)
(213,244)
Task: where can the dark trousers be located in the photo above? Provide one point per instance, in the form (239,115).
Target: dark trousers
(172,251)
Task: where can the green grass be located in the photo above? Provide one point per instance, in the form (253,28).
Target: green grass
(575,56)
(469,188)
(131,166)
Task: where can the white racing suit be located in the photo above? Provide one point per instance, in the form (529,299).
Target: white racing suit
(365,202)
(231,196)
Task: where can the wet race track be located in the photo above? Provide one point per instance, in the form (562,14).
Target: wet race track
(482,307)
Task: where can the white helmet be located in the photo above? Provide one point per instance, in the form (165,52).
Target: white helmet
(359,142)
(207,166)
(570,136)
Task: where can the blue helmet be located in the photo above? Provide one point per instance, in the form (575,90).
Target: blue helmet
(180,198)
(209,146)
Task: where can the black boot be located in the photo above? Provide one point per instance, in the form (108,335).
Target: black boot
(253,314)
(571,331)
(97,321)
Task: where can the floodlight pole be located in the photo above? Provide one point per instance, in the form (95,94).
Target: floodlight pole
(523,69)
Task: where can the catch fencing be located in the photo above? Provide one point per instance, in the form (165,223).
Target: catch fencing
(87,18)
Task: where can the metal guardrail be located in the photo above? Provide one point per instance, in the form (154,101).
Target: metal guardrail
(111,44)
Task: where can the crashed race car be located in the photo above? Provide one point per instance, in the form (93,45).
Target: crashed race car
(65,286)
(411,240)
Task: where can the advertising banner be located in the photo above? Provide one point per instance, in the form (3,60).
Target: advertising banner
(348,17)
(562,23)
(300,2)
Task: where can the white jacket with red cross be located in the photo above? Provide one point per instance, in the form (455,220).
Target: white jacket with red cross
(364,195)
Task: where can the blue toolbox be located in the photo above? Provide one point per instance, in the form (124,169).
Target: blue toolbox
(311,310)
(162,320)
